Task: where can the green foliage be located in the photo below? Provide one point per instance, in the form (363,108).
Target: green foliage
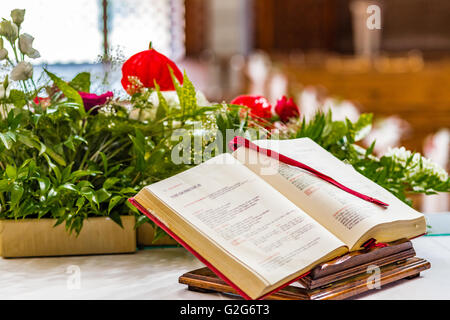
(340,137)
(81,82)
(61,162)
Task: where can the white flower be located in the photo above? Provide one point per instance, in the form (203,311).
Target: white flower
(201,99)
(172,98)
(141,115)
(18,16)
(26,46)
(3,54)
(5,88)
(9,30)
(418,163)
(23,71)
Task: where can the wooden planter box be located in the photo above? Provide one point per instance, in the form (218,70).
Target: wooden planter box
(145,234)
(38,237)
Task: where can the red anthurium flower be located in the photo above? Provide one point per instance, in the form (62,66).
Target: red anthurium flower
(146,67)
(258,105)
(91,100)
(286,109)
(40,100)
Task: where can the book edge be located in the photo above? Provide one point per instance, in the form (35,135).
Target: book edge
(187,247)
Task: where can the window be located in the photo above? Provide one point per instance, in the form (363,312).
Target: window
(72,31)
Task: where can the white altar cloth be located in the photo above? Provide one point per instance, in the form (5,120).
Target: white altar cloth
(153,274)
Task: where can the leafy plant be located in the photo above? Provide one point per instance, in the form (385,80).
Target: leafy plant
(400,175)
(61,161)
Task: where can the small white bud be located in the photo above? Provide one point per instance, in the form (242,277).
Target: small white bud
(5,88)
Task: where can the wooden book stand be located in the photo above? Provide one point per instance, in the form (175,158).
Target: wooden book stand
(340,278)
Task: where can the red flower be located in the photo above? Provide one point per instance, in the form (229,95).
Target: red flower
(43,101)
(91,100)
(259,106)
(143,68)
(286,109)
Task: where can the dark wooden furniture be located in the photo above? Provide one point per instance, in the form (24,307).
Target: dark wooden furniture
(340,278)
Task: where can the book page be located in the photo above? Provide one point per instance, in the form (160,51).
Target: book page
(246,217)
(342,213)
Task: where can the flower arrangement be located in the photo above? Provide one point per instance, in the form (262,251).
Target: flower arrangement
(70,154)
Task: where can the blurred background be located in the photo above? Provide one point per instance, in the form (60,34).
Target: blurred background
(390,58)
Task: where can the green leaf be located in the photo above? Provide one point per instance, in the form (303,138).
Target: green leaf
(363,126)
(81,82)
(16,194)
(82,173)
(156,156)
(44,185)
(159,234)
(11,171)
(370,149)
(6,139)
(68,91)
(14,121)
(80,202)
(141,219)
(102,195)
(84,184)
(59,159)
(333,132)
(69,144)
(113,202)
(17,98)
(163,106)
(115,216)
(5,185)
(68,186)
(105,163)
(110,182)
(128,190)
(90,194)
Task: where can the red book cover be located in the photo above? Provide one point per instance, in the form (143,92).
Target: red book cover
(198,256)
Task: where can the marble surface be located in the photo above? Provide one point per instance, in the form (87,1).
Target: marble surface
(153,274)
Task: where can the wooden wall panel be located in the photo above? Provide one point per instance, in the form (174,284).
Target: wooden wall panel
(196,12)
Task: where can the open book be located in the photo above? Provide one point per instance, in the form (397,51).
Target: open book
(261,224)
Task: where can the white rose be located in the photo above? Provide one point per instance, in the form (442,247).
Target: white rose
(23,71)
(18,16)
(9,30)
(170,96)
(26,46)
(3,53)
(141,115)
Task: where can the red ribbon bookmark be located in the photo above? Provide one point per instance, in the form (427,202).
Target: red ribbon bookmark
(237,142)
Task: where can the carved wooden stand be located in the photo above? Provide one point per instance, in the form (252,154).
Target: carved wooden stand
(341,278)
